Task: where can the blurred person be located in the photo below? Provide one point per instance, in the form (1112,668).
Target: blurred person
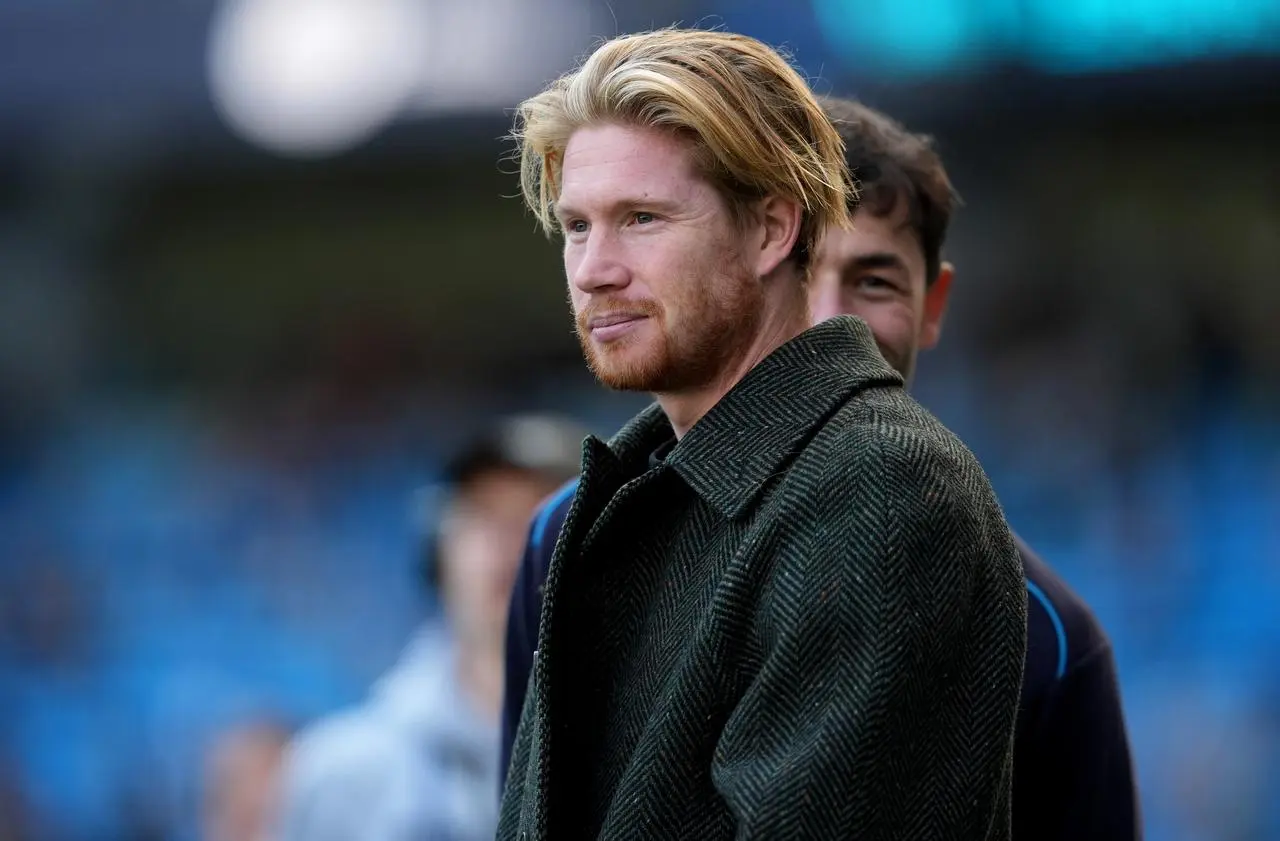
(418,760)
(241,779)
(1073,776)
(784,602)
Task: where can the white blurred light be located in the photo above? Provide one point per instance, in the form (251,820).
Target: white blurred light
(315,77)
(488,54)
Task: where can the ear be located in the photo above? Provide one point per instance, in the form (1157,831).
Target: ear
(935,306)
(779,230)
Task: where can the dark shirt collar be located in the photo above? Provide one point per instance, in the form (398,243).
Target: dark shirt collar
(729,455)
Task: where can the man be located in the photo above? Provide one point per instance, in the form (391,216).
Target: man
(784,602)
(1072,772)
(418,761)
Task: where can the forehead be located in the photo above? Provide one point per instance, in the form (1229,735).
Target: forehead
(892,233)
(606,163)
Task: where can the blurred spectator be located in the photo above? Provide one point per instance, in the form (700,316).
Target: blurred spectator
(241,779)
(419,760)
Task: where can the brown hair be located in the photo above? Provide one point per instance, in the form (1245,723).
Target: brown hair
(891,164)
(757,129)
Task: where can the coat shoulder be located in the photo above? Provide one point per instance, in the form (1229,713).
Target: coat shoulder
(885,433)
(883,464)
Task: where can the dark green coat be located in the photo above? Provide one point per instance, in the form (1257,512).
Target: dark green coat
(807,620)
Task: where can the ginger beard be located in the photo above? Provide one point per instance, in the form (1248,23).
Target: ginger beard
(711,318)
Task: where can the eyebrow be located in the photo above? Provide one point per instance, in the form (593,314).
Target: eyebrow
(879,260)
(562,211)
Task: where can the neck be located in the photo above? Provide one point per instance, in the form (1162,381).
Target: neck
(787,317)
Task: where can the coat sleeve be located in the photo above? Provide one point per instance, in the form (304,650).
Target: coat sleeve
(892,630)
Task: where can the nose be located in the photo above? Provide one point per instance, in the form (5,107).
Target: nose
(596,264)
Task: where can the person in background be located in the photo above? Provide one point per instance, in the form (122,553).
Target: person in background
(1073,777)
(418,761)
(241,782)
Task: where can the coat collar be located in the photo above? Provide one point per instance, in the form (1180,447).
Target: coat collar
(729,455)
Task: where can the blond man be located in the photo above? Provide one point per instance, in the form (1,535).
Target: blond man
(784,602)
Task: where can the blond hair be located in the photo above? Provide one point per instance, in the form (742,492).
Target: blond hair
(756,128)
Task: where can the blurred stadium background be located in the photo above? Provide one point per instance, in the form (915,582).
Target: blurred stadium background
(260,267)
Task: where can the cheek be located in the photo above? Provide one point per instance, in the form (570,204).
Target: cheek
(577,298)
(670,261)
(893,324)
(571,262)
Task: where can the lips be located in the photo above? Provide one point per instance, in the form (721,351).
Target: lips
(614,325)
(613,319)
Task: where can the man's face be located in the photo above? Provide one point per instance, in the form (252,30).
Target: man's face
(877,272)
(663,293)
(482,538)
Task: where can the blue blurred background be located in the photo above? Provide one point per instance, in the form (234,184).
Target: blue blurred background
(261,267)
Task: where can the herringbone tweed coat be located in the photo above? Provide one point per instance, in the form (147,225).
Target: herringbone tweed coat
(806,621)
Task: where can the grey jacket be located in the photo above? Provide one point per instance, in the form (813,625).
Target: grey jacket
(413,763)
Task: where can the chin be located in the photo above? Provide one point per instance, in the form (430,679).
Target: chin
(625,379)
(630,378)
(626,367)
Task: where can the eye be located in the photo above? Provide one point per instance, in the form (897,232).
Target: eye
(875,283)
(642,218)
(575,226)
